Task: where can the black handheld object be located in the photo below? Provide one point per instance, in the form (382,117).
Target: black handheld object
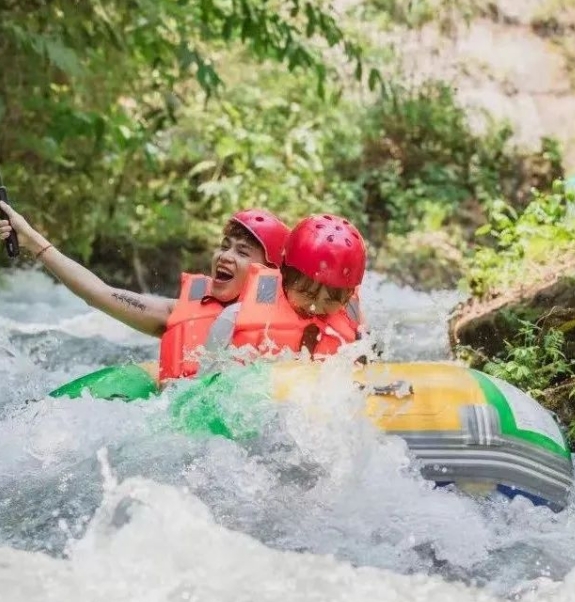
(12,246)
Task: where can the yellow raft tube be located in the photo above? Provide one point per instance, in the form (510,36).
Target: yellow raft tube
(465,427)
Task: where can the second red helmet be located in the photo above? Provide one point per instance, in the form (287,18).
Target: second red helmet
(269,230)
(328,249)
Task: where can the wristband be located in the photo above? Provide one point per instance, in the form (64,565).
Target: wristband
(42,251)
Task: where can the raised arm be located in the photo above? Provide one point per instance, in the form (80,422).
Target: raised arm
(144,313)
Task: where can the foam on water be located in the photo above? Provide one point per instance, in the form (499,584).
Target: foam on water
(151,542)
(320,507)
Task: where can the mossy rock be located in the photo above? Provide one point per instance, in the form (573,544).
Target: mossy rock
(485,324)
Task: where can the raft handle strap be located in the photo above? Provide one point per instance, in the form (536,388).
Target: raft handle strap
(397,388)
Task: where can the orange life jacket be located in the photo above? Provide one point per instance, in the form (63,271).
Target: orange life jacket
(188,327)
(267,322)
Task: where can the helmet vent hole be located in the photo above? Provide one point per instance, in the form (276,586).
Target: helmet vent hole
(259,218)
(345,222)
(338,228)
(330,238)
(328,217)
(348,242)
(319,226)
(356,235)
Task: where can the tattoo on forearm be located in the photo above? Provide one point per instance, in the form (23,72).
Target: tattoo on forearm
(123,298)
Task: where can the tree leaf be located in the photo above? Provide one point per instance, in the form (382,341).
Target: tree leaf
(202,167)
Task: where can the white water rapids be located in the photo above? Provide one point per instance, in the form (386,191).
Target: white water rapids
(99,501)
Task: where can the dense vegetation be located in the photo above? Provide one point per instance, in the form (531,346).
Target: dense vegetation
(515,245)
(93,94)
(130,130)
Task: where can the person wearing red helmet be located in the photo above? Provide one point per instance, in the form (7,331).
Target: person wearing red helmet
(311,302)
(324,263)
(251,236)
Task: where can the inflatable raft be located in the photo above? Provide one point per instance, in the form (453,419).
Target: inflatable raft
(464,426)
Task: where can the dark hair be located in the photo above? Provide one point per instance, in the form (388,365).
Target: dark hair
(236,230)
(294,279)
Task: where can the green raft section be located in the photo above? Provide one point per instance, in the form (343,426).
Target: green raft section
(195,405)
(127,383)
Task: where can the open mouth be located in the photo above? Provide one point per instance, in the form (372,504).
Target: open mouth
(223,275)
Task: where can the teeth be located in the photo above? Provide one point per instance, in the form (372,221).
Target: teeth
(223,275)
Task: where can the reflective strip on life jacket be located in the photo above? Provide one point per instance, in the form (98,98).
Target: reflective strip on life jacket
(198,288)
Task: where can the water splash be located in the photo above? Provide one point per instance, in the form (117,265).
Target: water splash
(320,506)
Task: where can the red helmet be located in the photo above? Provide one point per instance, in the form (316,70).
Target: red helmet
(270,231)
(328,249)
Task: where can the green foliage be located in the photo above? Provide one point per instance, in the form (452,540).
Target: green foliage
(91,93)
(533,360)
(118,135)
(168,38)
(516,243)
(417,13)
(279,149)
(421,155)
(272,146)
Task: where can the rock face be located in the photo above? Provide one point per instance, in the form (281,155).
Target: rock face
(515,61)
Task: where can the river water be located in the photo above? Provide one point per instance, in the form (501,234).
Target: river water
(99,500)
